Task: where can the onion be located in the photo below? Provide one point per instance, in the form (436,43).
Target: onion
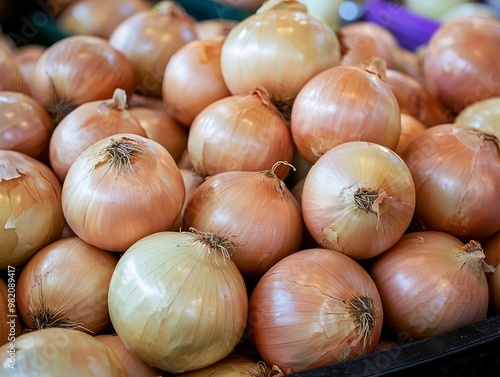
(345,103)
(240,132)
(65,285)
(191,182)
(234,365)
(59,352)
(467,10)
(314,308)
(430,8)
(411,128)
(460,70)
(328,10)
(431,283)
(121,189)
(149,39)
(214,28)
(257,209)
(77,70)
(98,18)
(193,79)
(86,125)
(491,247)
(483,114)
(456,170)
(26,58)
(31,215)
(189,313)
(494,289)
(10,327)
(162,128)
(278,50)
(11,78)
(414,99)
(25,126)
(358,199)
(132,363)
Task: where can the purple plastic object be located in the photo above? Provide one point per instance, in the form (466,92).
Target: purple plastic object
(411,30)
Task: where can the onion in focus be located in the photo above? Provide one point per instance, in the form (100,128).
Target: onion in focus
(484,114)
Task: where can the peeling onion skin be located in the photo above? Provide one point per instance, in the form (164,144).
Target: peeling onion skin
(177,302)
(429,285)
(110,203)
(300,313)
(456,171)
(61,352)
(459,69)
(330,210)
(30,208)
(342,104)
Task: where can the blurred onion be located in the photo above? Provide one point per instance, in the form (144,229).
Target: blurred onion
(483,114)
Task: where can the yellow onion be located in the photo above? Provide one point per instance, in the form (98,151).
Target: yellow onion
(149,38)
(11,78)
(240,132)
(193,79)
(358,199)
(431,283)
(214,28)
(76,70)
(178,301)
(191,182)
(120,189)
(25,126)
(410,129)
(257,209)
(59,352)
(491,246)
(414,99)
(483,114)
(10,327)
(159,126)
(342,104)
(86,125)
(456,170)
(234,365)
(460,61)
(26,57)
(132,363)
(30,207)
(98,18)
(314,308)
(278,49)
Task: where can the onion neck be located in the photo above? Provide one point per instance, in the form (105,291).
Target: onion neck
(472,254)
(119,101)
(217,243)
(272,174)
(376,66)
(120,152)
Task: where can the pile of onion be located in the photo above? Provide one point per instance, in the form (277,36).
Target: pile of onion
(120,189)
(314,308)
(456,170)
(342,104)
(358,199)
(31,215)
(265,219)
(149,38)
(431,283)
(178,301)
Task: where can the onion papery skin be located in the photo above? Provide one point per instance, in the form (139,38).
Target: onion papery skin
(25,126)
(86,125)
(65,284)
(12,78)
(132,363)
(430,284)
(110,204)
(278,50)
(193,79)
(149,39)
(342,104)
(456,170)
(30,208)
(329,199)
(411,128)
(240,133)
(98,18)
(415,99)
(460,70)
(9,328)
(483,114)
(234,365)
(79,69)
(301,316)
(60,352)
(255,210)
(178,302)
(159,126)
